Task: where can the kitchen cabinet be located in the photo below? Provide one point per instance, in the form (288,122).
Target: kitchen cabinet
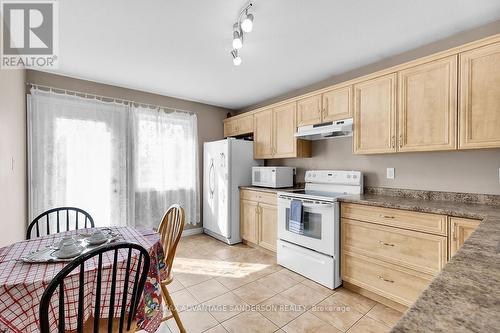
(309,110)
(391,253)
(460,230)
(375,115)
(263,139)
(268,226)
(239,125)
(479,107)
(248,220)
(337,104)
(427,112)
(274,135)
(259,218)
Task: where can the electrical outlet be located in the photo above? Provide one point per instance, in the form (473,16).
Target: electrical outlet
(390,173)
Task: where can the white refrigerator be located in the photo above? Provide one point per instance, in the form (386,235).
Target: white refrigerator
(227,164)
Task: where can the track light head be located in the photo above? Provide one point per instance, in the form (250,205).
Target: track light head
(247,23)
(236,58)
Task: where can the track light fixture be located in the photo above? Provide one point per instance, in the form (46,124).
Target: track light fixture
(243,25)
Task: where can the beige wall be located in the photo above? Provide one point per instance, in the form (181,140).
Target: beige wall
(13,195)
(473,171)
(209,117)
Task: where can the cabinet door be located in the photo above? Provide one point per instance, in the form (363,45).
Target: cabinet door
(248,220)
(375,115)
(337,104)
(309,111)
(268,231)
(245,125)
(480,98)
(460,230)
(284,127)
(229,128)
(263,135)
(427,110)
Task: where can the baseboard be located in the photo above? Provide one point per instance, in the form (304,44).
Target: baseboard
(190,232)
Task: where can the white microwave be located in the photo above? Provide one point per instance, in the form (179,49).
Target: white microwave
(275,177)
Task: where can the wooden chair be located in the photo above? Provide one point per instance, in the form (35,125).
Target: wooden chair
(66,222)
(112,323)
(170,231)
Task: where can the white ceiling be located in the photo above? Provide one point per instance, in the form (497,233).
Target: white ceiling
(181,48)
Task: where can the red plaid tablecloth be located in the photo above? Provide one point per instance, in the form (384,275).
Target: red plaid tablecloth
(22,284)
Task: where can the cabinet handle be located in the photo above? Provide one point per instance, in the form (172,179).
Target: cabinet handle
(455,231)
(381,278)
(400,140)
(393,141)
(386,216)
(386,244)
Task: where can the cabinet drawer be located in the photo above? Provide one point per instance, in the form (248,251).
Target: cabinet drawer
(264,197)
(395,283)
(431,223)
(416,250)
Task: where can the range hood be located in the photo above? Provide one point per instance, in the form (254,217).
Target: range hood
(333,129)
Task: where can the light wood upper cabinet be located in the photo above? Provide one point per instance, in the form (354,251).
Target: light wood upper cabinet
(249,220)
(480,97)
(274,134)
(375,115)
(427,113)
(337,104)
(268,226)
(284,130)
(238,126)
(309,110)
(460,230)
(263,140)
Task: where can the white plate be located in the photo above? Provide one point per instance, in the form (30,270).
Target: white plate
(67,255)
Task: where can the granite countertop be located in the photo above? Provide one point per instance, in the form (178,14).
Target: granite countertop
(465,295)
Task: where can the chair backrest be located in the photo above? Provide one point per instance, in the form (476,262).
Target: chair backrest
(136,284)
(170,230)
(58,220)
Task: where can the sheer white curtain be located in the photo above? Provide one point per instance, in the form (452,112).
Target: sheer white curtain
(78,150)
(165,168)
(124,165)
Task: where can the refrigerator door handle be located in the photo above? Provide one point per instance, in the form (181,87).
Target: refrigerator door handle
(211,176)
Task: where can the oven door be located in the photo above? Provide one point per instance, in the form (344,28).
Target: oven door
(319,217)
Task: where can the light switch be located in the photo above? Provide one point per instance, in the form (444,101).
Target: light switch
(390,173)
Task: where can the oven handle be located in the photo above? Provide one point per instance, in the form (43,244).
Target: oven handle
(310,203)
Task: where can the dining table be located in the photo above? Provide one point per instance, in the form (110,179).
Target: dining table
(22,283)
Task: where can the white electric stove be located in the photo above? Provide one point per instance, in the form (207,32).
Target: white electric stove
(315,252)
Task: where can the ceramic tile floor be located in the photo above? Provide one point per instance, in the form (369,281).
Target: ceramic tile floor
(220,288)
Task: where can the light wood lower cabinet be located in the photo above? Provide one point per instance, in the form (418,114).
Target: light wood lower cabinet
(460,230)
(248,220)
(393,282)
(415,250)
(268,226)
(392,253)
(258,218)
